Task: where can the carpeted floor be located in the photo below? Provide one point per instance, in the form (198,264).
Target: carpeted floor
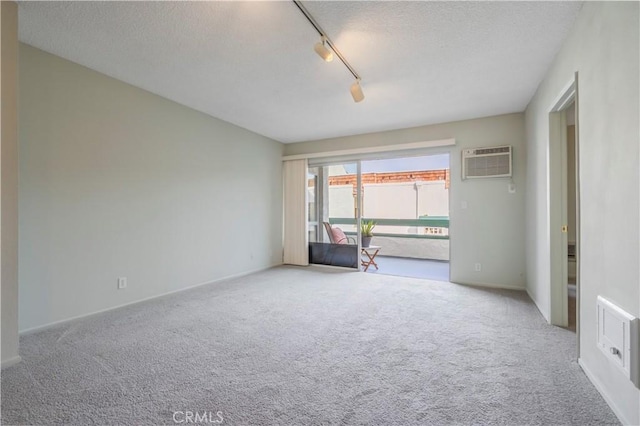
(308,346)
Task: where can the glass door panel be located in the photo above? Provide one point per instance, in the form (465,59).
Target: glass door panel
(312,185)
(333,214)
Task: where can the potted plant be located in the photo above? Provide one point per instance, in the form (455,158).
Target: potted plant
(366,231)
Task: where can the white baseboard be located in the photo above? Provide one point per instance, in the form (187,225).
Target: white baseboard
(600,388)
(11,361)
(489,285)
(228,277)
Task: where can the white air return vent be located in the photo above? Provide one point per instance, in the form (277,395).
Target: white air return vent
(486,162)
(618,338)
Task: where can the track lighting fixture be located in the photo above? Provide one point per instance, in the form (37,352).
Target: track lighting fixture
(356,91)
(322,50)
(325,48)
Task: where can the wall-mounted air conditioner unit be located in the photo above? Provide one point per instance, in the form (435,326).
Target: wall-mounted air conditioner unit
(487,162)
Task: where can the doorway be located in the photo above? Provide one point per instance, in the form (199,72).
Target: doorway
(571,217)
(564,212)
(408,201)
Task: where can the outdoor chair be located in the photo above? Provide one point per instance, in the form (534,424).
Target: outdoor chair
(337,235)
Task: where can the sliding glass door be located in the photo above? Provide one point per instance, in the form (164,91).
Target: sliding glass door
(406,199)
(334,210)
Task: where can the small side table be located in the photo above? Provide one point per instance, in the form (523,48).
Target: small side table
(371,252)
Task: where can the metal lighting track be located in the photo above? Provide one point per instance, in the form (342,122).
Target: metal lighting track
(322,33)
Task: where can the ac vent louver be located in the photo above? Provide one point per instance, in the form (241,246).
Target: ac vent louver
(487,162)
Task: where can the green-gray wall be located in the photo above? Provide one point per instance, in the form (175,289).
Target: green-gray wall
(116,181)
(9,201)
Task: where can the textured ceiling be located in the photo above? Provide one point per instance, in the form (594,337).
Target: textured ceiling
(253,64)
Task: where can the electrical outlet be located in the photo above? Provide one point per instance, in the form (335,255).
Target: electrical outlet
(122,283)
(512,188)
(478,267)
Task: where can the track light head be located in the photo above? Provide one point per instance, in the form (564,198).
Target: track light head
(356,91)
(325,48)
(323,51)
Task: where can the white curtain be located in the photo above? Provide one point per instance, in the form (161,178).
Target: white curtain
(296,237)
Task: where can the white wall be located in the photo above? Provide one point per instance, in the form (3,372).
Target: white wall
(603,47)
(391,201)
(341,201)
(490,230)
(9,201)
(433,199)
(116,181)
(398,200)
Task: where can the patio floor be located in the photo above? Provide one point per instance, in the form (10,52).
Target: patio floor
(436,270)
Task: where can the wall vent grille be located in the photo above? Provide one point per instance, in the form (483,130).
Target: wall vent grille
(487,162)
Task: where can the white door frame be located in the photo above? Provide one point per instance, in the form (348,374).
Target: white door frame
(557,205)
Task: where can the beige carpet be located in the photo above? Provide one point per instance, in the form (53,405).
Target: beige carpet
(306,346)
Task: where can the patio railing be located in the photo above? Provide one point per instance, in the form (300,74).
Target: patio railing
(423,222)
